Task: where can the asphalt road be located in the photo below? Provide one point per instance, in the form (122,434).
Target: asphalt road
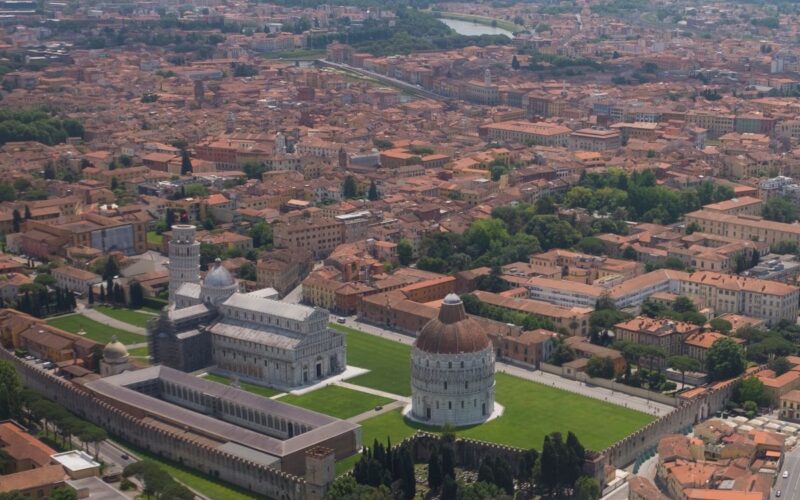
(790,486)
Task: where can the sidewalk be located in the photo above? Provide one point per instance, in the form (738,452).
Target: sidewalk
(108,320)
(374,392)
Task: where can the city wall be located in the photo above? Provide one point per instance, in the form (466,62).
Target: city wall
(614,386)
(176,444)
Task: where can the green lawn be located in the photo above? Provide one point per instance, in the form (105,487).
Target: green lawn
(389,362)
(96,331)
(532,410)
(266,392)
(336,401)
(139,352)
(154,238)
(125,315)
(211,488)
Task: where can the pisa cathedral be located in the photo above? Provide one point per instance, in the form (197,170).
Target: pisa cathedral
(252,335)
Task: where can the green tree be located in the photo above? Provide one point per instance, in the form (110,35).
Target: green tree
(591,245)
(111,268)
(725,360)
(7,192)
(254,169)
(435,471)
(16,220)
(780,365)
(600,367)
(449,488)
(63,493)
(587,488)
(684,364)
(350,188)
(186,163)
(750,389)
(261,232)
(136,295)
(372,194)
(196,190)
(515,63)
(721,325)
(10,392)
(404,252)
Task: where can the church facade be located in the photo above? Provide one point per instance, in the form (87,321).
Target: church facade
(249,335)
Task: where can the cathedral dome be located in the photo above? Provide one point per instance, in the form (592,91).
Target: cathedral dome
(453,332)
(218,276)
(115,350)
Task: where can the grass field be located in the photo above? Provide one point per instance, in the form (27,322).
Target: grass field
(96,331)
(389,362)
(213,489)
(532,410)
(125,315)
(154,238)
(336,401)
(255,389)
(139,352)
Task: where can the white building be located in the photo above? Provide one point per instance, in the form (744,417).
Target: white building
(452,369)
(250,335)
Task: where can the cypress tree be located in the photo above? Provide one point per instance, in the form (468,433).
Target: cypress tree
(434,471)
(17,221)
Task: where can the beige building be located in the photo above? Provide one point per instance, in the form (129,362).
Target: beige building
(746,205)
(595,139)
(664,333)
(745,227)
(317,235)
(74,279)
(540,133)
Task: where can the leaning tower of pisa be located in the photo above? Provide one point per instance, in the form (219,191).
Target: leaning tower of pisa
(184,258)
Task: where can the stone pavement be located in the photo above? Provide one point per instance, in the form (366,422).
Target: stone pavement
(374,392)
(374,413)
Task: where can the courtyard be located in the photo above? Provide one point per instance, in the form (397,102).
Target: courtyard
(95,330)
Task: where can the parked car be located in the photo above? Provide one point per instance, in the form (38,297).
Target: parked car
(341,320)
(785,473)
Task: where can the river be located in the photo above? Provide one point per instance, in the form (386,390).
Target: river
(473,29)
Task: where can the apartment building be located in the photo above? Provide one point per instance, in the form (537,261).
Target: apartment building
(716,123)
(664,333)
(697,344)
(74,279)
(595,139)
(769,301)
(573,320)
(565,264)
(540,133)
(282,270)
(746,205)
(745,227)
(320,235)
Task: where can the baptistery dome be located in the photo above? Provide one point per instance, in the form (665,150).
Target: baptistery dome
(452,369)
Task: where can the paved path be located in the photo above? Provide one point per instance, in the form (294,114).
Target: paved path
(574,386)
(374,413)
(374,392)
(108,320)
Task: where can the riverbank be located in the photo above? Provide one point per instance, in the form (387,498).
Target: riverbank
(486,21)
